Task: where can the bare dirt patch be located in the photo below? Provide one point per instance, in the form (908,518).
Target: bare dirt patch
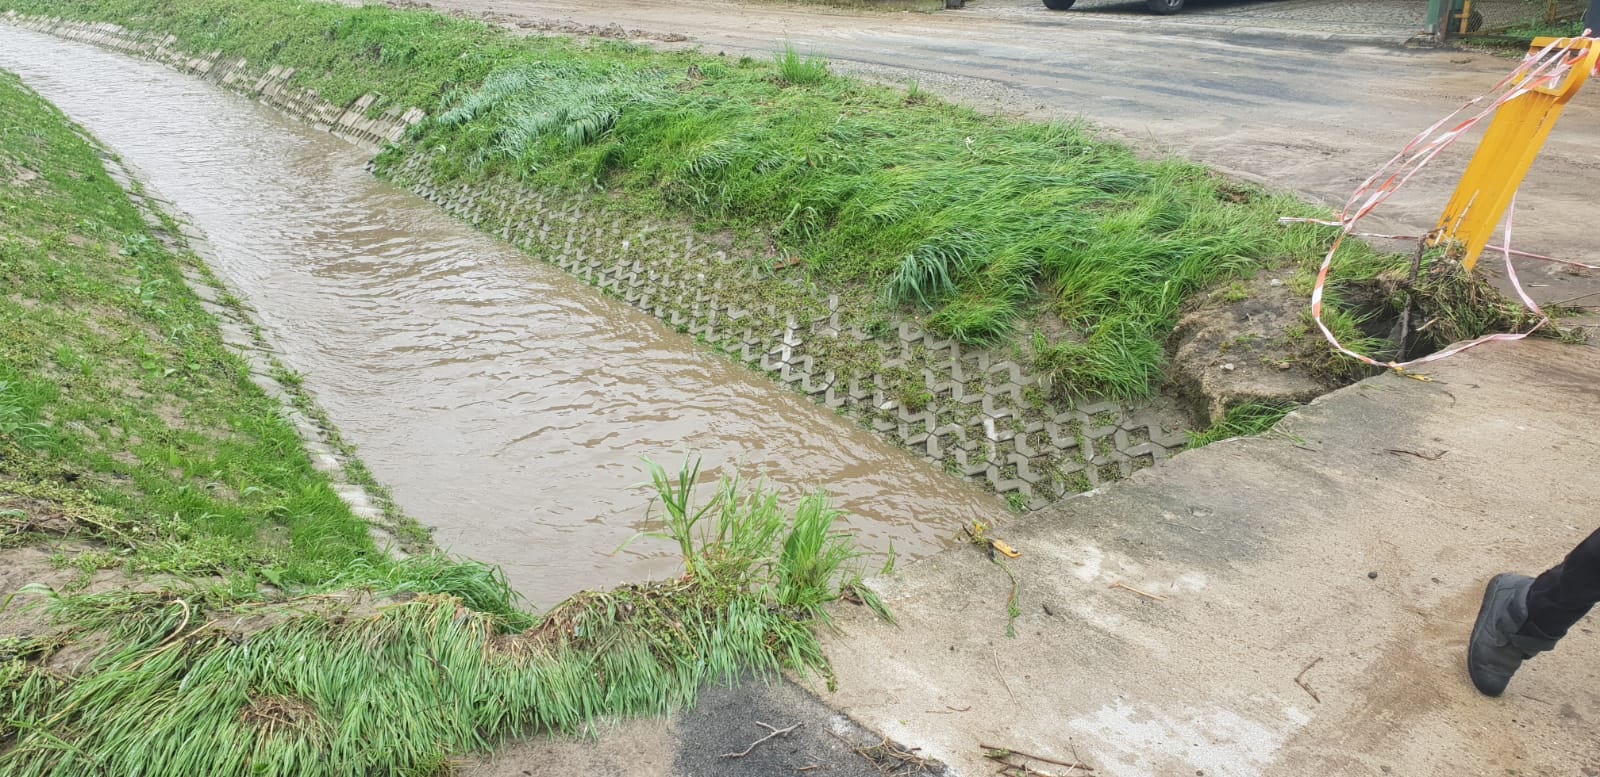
(20,619)
(18,174)
(22,515)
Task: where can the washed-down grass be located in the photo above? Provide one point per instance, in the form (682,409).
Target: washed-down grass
(251,626)
(329,685)
(978,223)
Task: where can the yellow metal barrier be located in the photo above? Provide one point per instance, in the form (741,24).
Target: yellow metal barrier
(1514,139)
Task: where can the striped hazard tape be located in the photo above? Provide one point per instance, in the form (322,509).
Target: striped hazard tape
(1541,69)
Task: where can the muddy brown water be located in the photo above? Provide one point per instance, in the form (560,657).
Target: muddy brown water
(505,403)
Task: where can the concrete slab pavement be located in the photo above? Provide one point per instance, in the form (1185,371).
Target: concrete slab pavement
(1316,587)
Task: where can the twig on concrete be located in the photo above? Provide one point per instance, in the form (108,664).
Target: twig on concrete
(1145,594)
(1079,761)
(775,732)
(1001,675)
(1299,679)
(1023,770)
(888,758)
(810,768)
(1418,454)
(995,752)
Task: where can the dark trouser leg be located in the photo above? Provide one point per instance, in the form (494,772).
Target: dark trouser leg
(1564,594)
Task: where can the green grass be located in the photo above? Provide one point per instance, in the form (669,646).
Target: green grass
(1246,420)
(799,70)
(254,628)
(1540,28)
(976,222)
(115,380)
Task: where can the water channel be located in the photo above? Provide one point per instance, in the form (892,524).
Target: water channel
(505,403)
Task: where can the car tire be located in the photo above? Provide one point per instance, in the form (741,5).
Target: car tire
(1058,5)
(1164,7)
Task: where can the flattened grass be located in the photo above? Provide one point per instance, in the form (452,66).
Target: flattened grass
(979,222)
(975,220)
(327,684)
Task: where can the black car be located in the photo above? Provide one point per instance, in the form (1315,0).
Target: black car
(1162,7)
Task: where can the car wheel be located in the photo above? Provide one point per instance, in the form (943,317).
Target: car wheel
(1058,5)
(1164,7)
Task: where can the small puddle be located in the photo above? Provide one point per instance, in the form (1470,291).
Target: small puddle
(505,403)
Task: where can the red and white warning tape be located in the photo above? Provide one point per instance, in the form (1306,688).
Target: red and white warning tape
(1545,68)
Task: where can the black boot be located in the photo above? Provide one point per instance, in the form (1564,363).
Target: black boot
(1496,648)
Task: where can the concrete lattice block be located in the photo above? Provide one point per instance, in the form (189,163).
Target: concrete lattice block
(994,409)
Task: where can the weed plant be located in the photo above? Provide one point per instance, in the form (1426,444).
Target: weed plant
(799,70)
(1462,305)
(1246,420)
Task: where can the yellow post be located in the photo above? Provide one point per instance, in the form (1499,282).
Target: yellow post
(1515,135)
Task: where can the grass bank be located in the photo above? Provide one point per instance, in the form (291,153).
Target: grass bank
(992,230)
(216,609)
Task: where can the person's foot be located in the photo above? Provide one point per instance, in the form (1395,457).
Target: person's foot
(1496,649)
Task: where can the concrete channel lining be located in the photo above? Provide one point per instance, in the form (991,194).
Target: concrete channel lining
(985,419)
